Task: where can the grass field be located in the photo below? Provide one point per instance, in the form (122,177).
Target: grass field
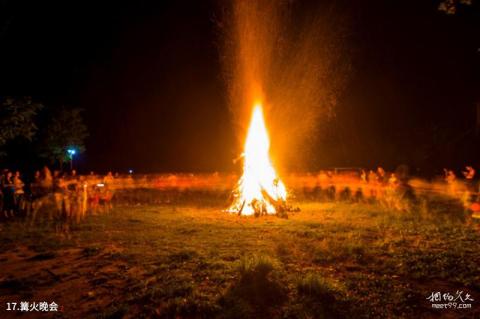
(188,259)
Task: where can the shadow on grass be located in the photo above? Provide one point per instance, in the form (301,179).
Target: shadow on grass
(22,286)
(256,294)
(320,299)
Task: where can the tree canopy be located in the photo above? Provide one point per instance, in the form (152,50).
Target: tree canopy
(65,130)
(450,6)
(17,118)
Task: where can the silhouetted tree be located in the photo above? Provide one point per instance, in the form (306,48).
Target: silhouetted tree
(17,118)
(65,130)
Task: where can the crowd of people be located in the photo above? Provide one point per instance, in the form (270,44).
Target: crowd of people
(54,196)
(467,189)
(389,188)
(69,197)
(394,189)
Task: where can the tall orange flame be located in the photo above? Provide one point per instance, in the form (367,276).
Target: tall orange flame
(259,187)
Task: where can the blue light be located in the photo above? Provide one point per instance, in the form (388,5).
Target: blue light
(71,151)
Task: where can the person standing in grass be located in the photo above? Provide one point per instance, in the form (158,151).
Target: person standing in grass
(19,194)
(81,205)
(8,195)
(60,197)
(2,176)
(469,194)
(72,194)
(41,192)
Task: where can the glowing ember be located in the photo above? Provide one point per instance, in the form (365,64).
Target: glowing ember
(260,191)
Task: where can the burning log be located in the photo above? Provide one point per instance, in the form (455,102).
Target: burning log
(281,207)
(241,208)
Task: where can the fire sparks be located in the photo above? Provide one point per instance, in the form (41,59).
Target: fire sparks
(260,190)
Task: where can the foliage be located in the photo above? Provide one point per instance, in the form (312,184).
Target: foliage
(314,285)
(65,130)
(321,298)
(17,118)
(451,6)
(256,266)
(257,292)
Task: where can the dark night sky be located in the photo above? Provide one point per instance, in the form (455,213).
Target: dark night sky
(148,75)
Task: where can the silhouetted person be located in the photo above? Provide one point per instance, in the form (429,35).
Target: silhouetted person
(8,194)
(19,193)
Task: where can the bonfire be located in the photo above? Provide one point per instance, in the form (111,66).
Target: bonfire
(260,190)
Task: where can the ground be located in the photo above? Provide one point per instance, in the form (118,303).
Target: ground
(189,259)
